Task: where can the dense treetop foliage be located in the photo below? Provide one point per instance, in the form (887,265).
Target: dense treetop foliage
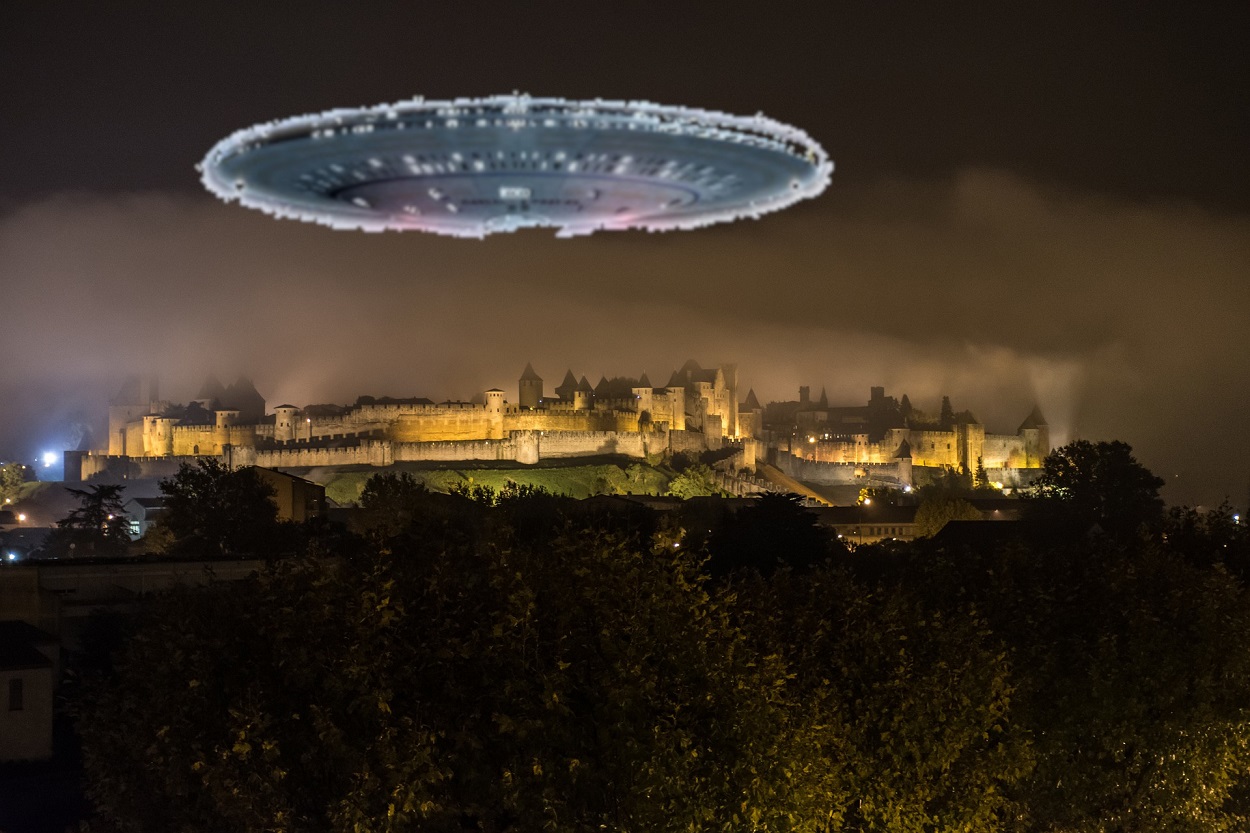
(1099,483)
(12,477)
(98,526)
(213,510)
(517,661)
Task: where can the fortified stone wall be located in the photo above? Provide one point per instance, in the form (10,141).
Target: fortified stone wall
(455,451)
(934,449)
(557,444)
(568,420)
(122,466)
(364,454)
(692,442)
(836,474)
(1004,451)
(468,423)
(193,439)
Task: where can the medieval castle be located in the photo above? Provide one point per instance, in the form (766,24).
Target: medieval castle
(698,409)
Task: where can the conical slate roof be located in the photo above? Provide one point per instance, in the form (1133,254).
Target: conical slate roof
(643,381)
(130,392)
(1034,419)
(242,387)
(904,451)
(824,400)
(751,403)
(212,389)
(676,380)
(529,375)
(584,385)
(569,379)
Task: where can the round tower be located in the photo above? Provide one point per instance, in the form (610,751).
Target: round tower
(494,412)
(221,432)
(163,437)
(529,388)
(284,423)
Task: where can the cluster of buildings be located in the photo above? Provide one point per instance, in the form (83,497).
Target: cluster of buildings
(884,441)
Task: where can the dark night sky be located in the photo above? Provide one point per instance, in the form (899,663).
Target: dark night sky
(1033,202)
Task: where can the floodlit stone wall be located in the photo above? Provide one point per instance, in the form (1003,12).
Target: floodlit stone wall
(471,422)
(836,474)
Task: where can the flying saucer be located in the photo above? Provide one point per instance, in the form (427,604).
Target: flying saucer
(473,167)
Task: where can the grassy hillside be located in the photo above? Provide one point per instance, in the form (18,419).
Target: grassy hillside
(344,487)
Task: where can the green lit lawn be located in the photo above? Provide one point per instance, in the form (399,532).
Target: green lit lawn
(344,487)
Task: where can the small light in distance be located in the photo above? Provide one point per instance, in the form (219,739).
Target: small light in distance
(12,556)
(21,517)
(49,459)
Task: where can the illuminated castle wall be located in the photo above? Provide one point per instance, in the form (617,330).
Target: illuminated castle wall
(697,409)
(812,441)
(141,425)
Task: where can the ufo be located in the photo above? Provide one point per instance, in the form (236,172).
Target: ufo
(470,167)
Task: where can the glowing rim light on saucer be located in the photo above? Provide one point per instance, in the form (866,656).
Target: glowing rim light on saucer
(470,167)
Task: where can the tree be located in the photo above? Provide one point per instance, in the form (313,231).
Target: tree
(390,502)
(99,526)
(213,510)
(903,706)
(1131,676)
(12,476)
(1101,483)
(948,481)
(443,686)
(695,480)
(776,530)
(1217,536)
(947,418)
(937,510)
(981,478)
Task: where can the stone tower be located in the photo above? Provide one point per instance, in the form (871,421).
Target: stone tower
(284,423)
(494,412)
(529,388)
(221,431)
(1036,434)
(138,397)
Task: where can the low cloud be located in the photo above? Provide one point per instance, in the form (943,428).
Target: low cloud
(1120,320)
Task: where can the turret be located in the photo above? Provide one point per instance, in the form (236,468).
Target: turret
(643,396)
(529,388)
(494,404)
(584,394)
(566,388)
(284,421)
(677,396)
(1036,435)
(221,432)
